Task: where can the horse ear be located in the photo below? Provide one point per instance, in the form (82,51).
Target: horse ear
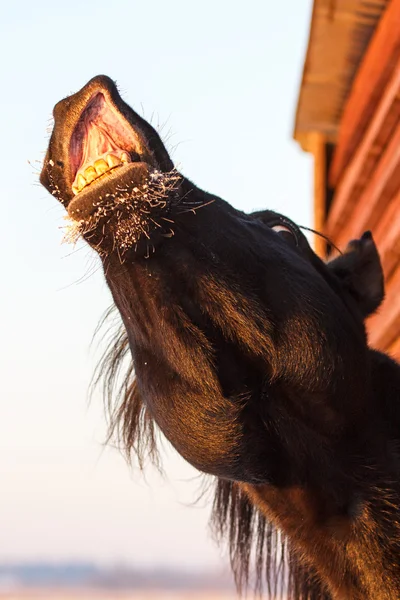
(360,270)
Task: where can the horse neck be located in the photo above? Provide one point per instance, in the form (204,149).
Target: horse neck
(346,523)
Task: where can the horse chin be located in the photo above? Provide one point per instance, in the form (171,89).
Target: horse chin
(108,191)
(129,213)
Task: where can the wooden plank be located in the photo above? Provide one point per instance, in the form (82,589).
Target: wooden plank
(358,172)
(382,54)
(340,32)
(318,148)
(384,327)
(383,185)
(394,350)
(387,237)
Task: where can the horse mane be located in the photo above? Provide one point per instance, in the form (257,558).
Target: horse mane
(260,555)
(130,426)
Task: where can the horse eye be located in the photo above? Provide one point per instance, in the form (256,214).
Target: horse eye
(279,228)
(285,232)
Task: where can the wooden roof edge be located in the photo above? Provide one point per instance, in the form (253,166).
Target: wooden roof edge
(310,116)
(305,138)
(301,136)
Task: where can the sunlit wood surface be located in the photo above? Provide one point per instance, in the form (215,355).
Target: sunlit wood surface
(339,35)
(375,70)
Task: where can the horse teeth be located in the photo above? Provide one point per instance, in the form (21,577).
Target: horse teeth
(98,168)
(112,160)
(81,182)
(90,174)
(101,166)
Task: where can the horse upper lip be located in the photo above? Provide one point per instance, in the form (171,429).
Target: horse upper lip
(98,144)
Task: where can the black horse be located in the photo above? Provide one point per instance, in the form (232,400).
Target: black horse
(248,352)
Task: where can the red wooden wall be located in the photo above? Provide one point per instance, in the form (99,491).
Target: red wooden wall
(365,170)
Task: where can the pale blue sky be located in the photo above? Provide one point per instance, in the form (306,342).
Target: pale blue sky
(223,76)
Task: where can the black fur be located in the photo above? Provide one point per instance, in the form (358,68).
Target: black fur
(250,354)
